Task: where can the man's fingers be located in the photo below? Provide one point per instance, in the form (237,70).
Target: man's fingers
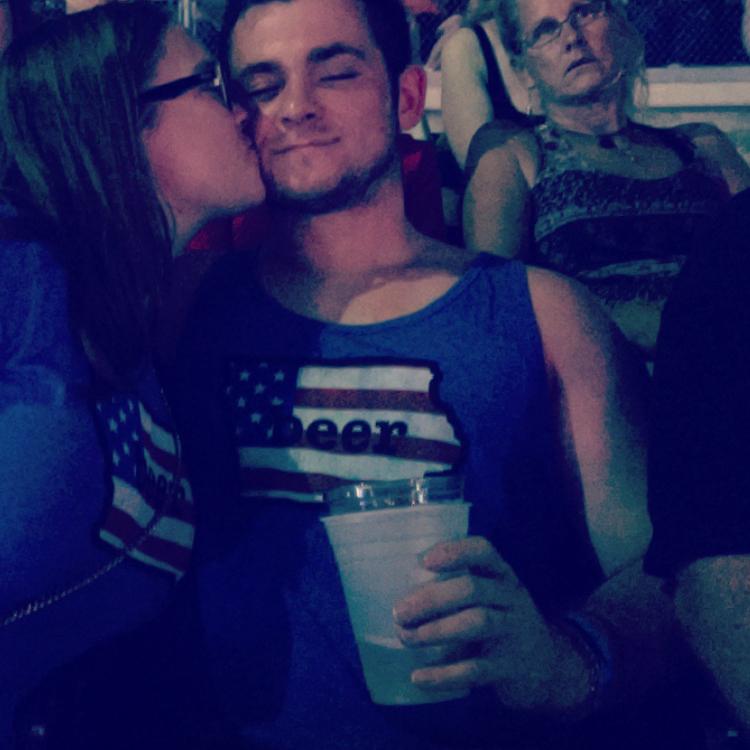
(474,552)
(467,626)
(462,674)
(441,598)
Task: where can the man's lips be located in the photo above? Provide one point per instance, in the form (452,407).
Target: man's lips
(290,147)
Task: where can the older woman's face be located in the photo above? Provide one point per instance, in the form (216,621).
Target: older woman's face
(581,60)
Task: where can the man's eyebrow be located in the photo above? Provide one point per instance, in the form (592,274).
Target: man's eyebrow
(323,54)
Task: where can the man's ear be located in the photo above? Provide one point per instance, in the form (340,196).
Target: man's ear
(412,90)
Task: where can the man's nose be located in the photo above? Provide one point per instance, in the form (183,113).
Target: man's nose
(297,102)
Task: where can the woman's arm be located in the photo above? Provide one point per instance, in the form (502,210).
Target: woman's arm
(496,210)
(718,151)
(52,474)
(465,102)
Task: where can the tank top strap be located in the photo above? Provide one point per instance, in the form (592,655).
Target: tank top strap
(502,107)
(556,155)
(675,139)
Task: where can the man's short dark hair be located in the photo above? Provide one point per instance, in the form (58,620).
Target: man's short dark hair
(386,19)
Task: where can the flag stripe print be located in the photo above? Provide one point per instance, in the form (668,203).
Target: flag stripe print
(301,430)
(144,467)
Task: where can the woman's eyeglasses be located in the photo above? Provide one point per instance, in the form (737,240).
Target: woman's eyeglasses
(549,30)
(212,78)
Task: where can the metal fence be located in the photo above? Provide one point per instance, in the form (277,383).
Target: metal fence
(688,32)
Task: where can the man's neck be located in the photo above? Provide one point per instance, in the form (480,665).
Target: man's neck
(355,241)
(358,266)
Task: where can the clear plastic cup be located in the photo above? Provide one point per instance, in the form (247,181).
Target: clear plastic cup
(377,531)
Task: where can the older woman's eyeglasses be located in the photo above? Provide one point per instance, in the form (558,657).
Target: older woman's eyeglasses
(212,79)
(549,29)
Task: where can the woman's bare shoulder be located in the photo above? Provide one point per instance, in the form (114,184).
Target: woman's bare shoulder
(503,140)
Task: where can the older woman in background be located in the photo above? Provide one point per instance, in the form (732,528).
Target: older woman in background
(116,143)
(589,192)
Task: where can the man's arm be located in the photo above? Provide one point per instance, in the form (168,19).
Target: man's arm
(602,389)
(602,408)
(532,662)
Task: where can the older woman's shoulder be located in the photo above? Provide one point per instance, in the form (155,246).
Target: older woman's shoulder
(512,137)
(718,152)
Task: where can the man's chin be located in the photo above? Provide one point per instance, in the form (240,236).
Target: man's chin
(347,194)
(350,190)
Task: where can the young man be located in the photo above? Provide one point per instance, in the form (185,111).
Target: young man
(352,348)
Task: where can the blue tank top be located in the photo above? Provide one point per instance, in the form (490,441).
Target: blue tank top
(471,364)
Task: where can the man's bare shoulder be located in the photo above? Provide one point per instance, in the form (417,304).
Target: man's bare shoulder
(434,268)
(554,295)
(576,332)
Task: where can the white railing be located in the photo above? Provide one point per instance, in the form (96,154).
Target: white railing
(718,94)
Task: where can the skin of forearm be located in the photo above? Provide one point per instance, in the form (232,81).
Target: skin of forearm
(713,607)
(638,615)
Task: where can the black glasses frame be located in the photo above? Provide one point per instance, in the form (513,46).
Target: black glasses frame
(180,86)
(601,8)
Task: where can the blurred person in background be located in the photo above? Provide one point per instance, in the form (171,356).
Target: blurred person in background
(699,483)
(117,143)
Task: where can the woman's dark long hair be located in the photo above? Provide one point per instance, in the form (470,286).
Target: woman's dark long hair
(74,164)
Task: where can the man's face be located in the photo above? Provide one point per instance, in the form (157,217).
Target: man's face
(325,128)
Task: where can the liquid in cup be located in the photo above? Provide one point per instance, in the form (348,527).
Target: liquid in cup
(377,531)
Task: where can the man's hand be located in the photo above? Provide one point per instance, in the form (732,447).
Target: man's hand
(486,619)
